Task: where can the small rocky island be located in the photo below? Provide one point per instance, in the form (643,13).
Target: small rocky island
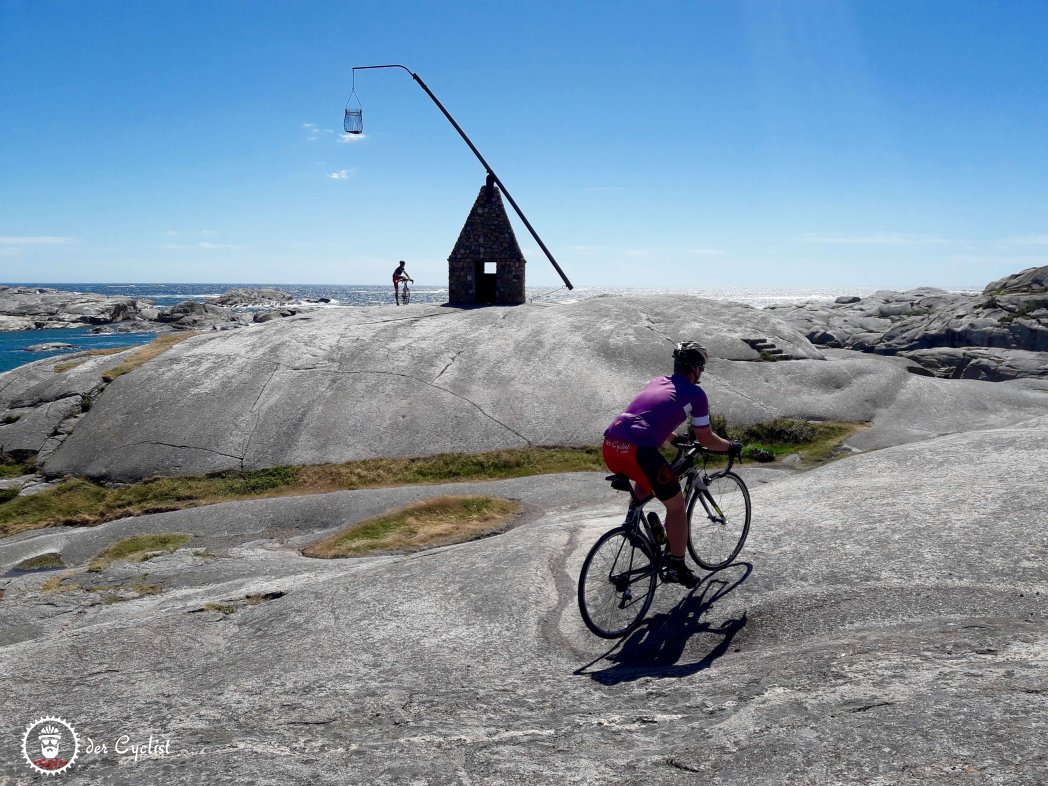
(38,308)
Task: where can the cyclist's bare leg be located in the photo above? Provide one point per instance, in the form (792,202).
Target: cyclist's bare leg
(676,524)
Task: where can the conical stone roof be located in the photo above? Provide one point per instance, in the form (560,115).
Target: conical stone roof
(487,235)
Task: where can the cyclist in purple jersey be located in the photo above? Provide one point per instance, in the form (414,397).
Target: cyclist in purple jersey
(632,442)
(653,416)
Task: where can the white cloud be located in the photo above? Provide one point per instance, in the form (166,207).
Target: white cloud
(315,132)
(342,174)
(705,252)
(874,239)
(346,139)
(34,240)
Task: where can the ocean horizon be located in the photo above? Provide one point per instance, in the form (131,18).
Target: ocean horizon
(13,344)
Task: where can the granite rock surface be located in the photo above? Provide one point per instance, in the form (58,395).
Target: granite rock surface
(344,384)
(885,624)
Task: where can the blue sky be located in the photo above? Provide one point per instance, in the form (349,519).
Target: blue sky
(662,144)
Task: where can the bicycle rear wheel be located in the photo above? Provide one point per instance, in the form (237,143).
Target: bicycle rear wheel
(617,584)
(718,530)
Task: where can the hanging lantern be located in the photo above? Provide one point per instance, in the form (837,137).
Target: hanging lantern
(354,122)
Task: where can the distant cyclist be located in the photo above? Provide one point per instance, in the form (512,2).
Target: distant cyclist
(632,442)
(400,274)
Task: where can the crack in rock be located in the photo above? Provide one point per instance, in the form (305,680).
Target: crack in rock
(183,447)
(453,359)
(449,392)
(254,424)
(868,707)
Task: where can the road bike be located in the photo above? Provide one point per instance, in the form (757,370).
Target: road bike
(621,572)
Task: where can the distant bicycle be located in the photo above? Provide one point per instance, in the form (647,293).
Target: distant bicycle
(405,293)
(619,575)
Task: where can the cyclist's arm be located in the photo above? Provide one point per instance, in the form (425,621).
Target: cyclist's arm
(710,441)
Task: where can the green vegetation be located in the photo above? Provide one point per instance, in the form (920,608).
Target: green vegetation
(771,439)
(154,348)
(79,502)
(452,467)
(12,468)
(440,521)
(9,419)
(138,548)
(223,608)
(65,365)
(115,592)
(47,561)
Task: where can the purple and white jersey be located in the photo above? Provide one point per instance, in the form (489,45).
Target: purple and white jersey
(655,413)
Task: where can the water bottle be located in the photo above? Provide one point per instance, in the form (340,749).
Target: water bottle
(657,530)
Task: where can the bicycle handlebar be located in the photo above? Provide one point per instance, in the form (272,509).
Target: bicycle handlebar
(687,447)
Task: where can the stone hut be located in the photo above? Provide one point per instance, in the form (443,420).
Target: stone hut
(486,266)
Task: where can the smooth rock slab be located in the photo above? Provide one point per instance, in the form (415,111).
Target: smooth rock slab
(347,384)
(886,625)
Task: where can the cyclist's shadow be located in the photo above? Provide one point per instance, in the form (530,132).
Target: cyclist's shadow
(655,649)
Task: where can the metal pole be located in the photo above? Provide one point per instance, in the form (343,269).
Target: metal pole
(487,167)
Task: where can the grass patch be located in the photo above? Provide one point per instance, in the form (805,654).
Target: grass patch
(221,608)
(137,548)
(59,368)
(48,561)
(439,521)
(116,593)
(814,440)
(154,348)
(79,502)
(12,468)
(7,420)
(58,584)
(451,467)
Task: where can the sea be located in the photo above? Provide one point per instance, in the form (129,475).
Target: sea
(14,344)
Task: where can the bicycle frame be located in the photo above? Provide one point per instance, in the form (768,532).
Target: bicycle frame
(695,480)
(614,597)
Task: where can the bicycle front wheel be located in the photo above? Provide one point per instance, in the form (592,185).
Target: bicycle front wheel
(617,584)
(718,521)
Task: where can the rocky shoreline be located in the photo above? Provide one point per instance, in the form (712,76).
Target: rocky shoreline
(37,308)
(999,334)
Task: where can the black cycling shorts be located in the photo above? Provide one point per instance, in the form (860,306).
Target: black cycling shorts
(646,466)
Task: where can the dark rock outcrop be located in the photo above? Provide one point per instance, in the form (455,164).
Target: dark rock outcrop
(53,346)
(1011,315)
(252,297)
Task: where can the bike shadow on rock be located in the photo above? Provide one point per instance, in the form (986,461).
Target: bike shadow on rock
(656,648)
